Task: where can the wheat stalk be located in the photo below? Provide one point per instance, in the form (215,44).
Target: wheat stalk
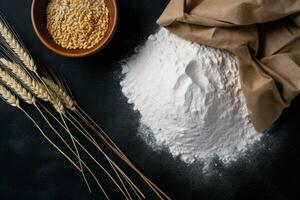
(9,97)
(12,83)
(63,96)
(15,45)
(24,77)
(35,87)
(59,99)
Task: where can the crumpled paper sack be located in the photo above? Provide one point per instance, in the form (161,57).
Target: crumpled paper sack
(264,35)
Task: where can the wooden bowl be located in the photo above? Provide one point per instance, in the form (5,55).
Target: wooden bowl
(39,21)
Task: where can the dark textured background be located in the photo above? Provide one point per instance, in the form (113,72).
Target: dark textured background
(31,169)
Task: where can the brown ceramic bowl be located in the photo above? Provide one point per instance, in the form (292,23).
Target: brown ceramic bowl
(39,21)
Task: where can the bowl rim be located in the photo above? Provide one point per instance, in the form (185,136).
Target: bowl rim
(84,52)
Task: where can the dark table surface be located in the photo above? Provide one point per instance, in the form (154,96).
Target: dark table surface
(31,169)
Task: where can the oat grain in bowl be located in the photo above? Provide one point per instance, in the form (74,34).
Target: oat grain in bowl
(77,24)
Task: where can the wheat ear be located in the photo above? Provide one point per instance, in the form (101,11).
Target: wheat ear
(9,97)
(63,96)
(16,46)
(57,104)
(35,87)
(13,84)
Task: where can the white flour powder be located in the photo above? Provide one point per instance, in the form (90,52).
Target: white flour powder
(189,96)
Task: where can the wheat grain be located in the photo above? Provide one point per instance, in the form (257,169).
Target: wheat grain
(13,84)
(9,97)
(35,87)
(79,25)
(63,96)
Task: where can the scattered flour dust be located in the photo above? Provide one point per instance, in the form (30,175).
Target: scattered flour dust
(189,97)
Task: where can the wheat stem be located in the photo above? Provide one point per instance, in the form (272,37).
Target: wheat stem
(86,134)
(117,174)
(118,151)
(103,153)
(48,139)
(92,174)
(105,171)
(77,152)
(102,134)
(120,179)
(74,153)
(155,189)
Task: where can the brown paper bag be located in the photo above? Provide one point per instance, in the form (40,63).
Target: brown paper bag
(264,35)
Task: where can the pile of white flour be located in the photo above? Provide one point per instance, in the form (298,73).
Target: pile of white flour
(189,96)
